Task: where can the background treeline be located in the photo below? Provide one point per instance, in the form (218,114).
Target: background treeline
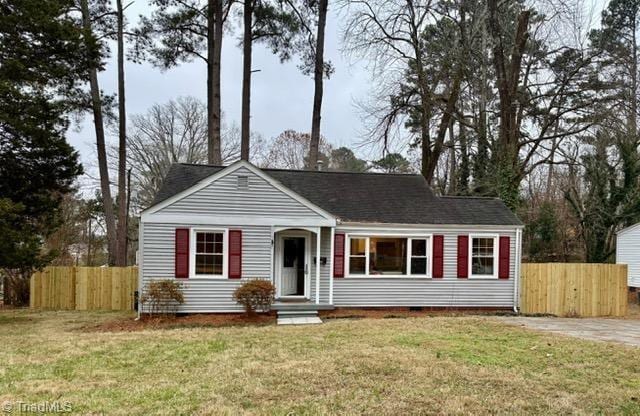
(535,102)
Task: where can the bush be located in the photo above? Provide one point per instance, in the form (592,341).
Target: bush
(255,295)
(162,297)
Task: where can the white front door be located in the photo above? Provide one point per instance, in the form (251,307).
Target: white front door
(293,265)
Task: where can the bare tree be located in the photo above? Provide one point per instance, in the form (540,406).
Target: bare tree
(392,35)
(290,150)
(175,132)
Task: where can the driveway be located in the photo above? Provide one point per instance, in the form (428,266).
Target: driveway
(624,331)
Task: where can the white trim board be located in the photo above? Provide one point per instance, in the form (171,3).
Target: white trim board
(192,253)
(496,256)
(347,226)
(227,171)
(627,229)
(234,220)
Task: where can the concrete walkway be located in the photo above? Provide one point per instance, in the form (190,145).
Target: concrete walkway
(597,329)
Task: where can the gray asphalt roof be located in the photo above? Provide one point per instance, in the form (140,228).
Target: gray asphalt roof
(364,197)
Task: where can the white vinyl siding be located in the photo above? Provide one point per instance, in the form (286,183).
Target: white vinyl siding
(628,252)
(204,294)
(449,291)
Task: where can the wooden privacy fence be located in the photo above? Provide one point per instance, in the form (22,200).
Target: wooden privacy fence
(574,289)
(84,288)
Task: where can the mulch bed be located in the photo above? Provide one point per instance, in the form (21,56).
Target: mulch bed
(213,320)
(217,320)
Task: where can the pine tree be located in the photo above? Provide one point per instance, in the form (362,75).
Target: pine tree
(43,67)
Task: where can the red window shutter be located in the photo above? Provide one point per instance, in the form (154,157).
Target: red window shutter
(338,256)
(235,254)
(463,256)
(438,255)
(182,253)
(504,254)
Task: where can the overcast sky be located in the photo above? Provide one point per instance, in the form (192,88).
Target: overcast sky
(281,96)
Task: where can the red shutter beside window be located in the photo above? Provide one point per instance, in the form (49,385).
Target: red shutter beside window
(504,254)
(463,256)
(338,256)
(182,253)
(438,255)
(235,254)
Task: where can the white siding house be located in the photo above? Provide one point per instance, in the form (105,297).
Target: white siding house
(628,252)
(329,239)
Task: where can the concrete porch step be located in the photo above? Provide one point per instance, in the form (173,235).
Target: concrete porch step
(295,314)
(299,320)
(300,306)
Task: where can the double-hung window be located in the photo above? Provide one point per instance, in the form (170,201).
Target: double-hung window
(386,256)
(208,253)
(419,260)
(484,256)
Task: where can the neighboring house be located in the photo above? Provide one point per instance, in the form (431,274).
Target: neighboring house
(628,252)
(328,239)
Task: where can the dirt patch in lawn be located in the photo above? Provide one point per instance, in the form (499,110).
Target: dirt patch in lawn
(182,321)
(399,313)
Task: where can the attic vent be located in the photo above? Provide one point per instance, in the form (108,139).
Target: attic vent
(243,182)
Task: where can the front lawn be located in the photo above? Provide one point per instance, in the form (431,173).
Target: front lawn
(421,365)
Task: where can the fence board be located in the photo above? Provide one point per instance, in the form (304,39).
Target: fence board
(581,289)
(84,288)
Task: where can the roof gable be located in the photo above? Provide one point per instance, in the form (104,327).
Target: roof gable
(186,193)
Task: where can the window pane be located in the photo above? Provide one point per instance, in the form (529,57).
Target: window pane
(387,256)
(482,265)
(356,265)
(217,248)
(482,247)
(209,243)
(208,264)
(418,247)
(358,246)
(419,265)
(289,252)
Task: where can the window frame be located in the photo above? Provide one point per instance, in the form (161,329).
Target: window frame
(225,253)
(496,256)
(409,237)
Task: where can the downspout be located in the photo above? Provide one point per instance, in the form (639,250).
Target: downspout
(140,264)
(518,259)
(332,253)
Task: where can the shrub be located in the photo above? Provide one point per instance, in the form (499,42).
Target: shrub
(162,296)
(255,295)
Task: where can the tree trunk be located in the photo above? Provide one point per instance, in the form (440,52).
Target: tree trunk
(507,68)
(214,49)
(445,123)
(96,104)
(246,80)
(318,75)
(121,256)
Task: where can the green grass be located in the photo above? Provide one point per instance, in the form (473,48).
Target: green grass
(443,365)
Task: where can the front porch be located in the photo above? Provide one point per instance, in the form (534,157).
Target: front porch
(301,263)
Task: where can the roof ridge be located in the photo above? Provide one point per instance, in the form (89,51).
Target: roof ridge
(469,197)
